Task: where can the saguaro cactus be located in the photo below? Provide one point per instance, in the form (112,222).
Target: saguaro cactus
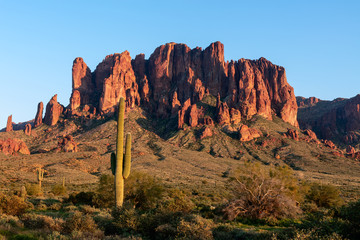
(40,176)
(121,162)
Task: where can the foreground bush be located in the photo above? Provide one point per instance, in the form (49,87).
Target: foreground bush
(324,195)
(12,205)
(33,189)
(59,190)
(262,192)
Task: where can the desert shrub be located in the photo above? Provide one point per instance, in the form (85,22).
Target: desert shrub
(12,205)
(176,201)
(105,196)
(43,222)
(33,189)
(80,222)
(263,192)
(143,190)
(12,221)
(126,219)
(55,206)
(56,236)
(350,214)
(59,190)
(24,237)
(194,227)
(81,198)
(324,195)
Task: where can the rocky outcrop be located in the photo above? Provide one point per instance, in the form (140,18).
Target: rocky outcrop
(350,149)
(222,111)
(193,116)
(13,146)
(247,134)
(306,102)
(39,114)
(293,134)
(206,132)
(28,129)
(329,144)
(82,84)
(67,144)
(337,120)
(115,78)
(174,74)
(53,111)
(311,134)
(9,124)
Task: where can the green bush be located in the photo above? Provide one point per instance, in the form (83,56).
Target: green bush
(324,195)
(350,214)
(46,223)
(80,222)
(33,189)
(81,198)
(176,201)
(12,205)
(59,190)
(143,190)
(105,195)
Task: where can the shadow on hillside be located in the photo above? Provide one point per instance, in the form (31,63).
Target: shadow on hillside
(164,128)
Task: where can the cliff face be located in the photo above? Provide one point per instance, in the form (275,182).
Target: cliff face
(176,77)
(337,120)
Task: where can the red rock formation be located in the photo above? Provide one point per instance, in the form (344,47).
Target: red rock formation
(53,111)
(248,134)
(222,112)
(182,113)
(293,134)
(175,73)
(193,116)
(75,101)
(67,144)
(9,125)
(306,102)
(330,144)
(39,113)
(235,116)
(82,83)
(28,129)
(311,134)
(350,149)
(13,146)
(208,121)
(115,78)
(337,119)
(206,132)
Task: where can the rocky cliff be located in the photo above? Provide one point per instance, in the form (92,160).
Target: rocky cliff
(175,78)
(338,120)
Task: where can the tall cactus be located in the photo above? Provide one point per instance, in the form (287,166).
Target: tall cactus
(120,162)
(40,175)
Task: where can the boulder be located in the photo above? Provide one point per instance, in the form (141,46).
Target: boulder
(247,134)
(13,146)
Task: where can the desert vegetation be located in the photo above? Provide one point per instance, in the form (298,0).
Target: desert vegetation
(259,202)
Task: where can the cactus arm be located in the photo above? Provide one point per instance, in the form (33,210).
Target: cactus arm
(127,157)
(113,163)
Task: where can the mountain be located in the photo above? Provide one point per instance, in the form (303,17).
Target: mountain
(193,117)
(337,120)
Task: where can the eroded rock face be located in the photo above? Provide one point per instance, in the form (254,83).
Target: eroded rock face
(222,112)
(39,114)
(206,132)
(306,102)
(82,83)
(193,116)
(329,144)
(311,134)
(28,129)
(75,100)
(248,134)
(67,144)
(293,134)
(350,149)
(9,125)
(13,146)
(115,78)
(53,111)
(174,74)
(337,120)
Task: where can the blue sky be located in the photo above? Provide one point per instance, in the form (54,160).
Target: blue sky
(318,42)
